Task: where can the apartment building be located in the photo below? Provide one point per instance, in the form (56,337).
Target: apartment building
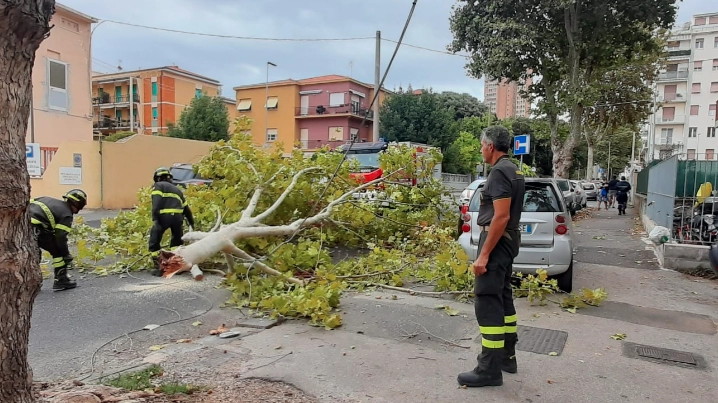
(311,113)
(146,101)
(504,98)
(687,94)
(61,108)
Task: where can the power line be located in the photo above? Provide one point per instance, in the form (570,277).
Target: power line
(446,52)
(252,38)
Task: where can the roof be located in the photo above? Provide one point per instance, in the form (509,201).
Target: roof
(229,100)
(306,81)
(170,69)
(75,12)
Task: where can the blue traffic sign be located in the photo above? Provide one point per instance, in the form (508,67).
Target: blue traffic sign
(522,144)
(30,151)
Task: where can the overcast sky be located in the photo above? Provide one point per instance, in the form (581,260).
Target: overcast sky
(238,61)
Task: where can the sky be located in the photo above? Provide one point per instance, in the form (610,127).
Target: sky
(244,61)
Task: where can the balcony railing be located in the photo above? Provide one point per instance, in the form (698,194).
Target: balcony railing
(672,97)
(673,75)
(322,110)
(106,98)
(679,52)
(110,123)
(670,120)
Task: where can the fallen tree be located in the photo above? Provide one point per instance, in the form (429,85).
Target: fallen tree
(276,225)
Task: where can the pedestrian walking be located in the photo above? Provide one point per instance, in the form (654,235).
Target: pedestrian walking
(501,203)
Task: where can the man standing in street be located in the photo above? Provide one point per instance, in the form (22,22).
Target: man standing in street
(168,209)
(501,204)
(612,190)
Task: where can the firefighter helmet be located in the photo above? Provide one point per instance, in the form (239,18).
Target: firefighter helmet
(160,173)
(77,198)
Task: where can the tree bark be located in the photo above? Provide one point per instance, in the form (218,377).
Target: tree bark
(23,26)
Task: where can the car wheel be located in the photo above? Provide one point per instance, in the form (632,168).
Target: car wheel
(565,279)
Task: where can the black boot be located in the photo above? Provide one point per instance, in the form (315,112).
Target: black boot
(62,281)
(508,364)
(156,271)
(487,373)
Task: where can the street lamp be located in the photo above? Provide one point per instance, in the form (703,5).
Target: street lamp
(266,102)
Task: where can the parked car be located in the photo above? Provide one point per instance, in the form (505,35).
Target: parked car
(579,193)
(546,232)
(568,195)
(469,191)
(591,190)
(183,175)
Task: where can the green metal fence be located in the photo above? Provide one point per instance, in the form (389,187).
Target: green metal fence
(642,182)
(692,174)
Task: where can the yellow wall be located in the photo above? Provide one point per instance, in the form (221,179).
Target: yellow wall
(282,118)
(185,92)
(126,167)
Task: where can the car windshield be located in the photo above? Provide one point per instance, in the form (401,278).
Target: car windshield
(181,174)
(365,159)
(474,185)
(589,186)
(539,197)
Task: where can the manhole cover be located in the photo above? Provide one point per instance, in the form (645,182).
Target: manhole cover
(663,355)
(541,341)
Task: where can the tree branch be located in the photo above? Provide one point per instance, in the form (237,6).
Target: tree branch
(247,213)
(249,164)
(233,249)
(284,194)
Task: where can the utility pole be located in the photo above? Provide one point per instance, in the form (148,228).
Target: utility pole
(266,102)
(377,81)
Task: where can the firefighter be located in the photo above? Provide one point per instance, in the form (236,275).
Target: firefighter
(168,208)
(51,220)
(501,204)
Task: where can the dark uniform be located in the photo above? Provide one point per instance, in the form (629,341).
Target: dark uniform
(51,220)
(169,207)
(494,304)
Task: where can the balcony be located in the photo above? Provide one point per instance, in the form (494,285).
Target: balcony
(106,100)
(678,53)
(675,97)
(681,75)
(667,146)
(670,120)
(108,123)
(333,111)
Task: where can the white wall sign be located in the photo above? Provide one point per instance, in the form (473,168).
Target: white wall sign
(34,157)
(70,176)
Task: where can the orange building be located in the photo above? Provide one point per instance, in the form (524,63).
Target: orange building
(504,98)
(145,101)
(310,113)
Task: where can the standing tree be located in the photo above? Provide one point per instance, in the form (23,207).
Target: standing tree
(620,97)
(464,154)
(24,24)
(564,42)
(205,119)
(464,105)
(422,118)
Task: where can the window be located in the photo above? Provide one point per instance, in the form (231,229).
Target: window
(712,110)
(700,21)
(715,42)
(353,134)
(154,91)
(272,103)
(244,105)
(198,92)
(691,154)
(336,133)
(709,153)
(698,65)
(57,85)
(696,88)
(336,99)
(666,136)
(356,103)
(715,64)
(711,132)
(714,86)
(695,109)
(693,132)
(154,117)
(271,134)
(699,43)
(539,197)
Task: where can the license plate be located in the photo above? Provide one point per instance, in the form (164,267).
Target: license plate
(525,228)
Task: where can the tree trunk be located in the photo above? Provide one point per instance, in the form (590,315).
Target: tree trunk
(589,163)
(23,27)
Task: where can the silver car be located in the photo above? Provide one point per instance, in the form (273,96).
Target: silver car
(546,232)
(469,191)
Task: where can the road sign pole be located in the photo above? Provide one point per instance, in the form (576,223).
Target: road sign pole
(521,163)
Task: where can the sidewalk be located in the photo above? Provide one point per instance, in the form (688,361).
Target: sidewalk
(403,349)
